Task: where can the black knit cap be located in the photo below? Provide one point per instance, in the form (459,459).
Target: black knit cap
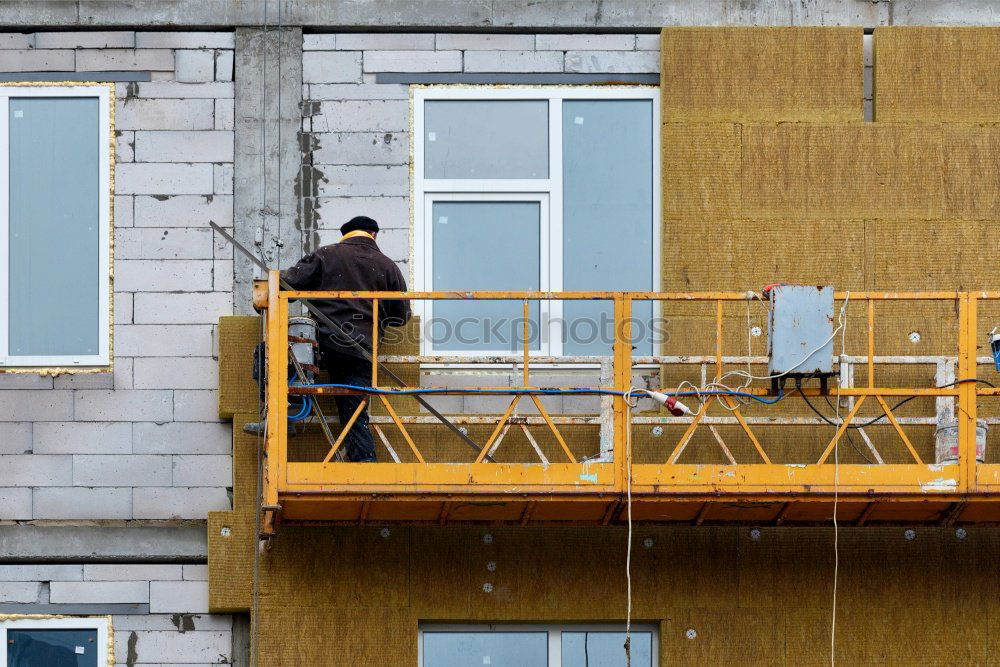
(361,222)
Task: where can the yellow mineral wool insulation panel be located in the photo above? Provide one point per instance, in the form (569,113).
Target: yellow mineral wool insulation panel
(849,171)
(796,74)
(700,170)
(971,170)
(927,74)
(237,390)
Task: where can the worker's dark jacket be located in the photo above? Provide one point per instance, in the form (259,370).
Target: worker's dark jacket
(355,264)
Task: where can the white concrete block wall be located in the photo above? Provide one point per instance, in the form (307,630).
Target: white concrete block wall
(359,129)
(143,442)
(177,628)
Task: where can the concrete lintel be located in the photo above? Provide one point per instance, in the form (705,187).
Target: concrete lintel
(75,76)
(76,609)
(556,15)
(104,544)
(552,78)
(268,119)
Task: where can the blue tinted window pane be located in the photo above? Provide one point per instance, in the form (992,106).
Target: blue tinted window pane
(52,648)
(484,246)
(496,649)
(486,139)
(607,211)
(54,226)
(605,649)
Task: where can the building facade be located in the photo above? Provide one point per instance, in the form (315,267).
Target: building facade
(278,121)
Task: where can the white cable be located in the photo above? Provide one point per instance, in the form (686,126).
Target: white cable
(630,402)
(836,491)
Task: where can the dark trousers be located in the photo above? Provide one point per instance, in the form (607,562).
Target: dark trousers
(349,369)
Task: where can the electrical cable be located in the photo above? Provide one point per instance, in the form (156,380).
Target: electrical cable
(883,415)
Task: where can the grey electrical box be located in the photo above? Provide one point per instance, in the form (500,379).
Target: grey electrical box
(801,331)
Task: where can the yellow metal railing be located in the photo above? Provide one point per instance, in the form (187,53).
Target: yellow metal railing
(608,471)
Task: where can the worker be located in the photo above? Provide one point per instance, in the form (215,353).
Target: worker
(353,264)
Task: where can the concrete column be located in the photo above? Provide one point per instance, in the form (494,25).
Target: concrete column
(268,119)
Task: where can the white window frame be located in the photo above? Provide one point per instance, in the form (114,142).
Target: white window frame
(102,624)
(104,95)
(554,631)
(427,190)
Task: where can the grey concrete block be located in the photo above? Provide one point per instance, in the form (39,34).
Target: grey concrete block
(185,308)
(83,592)
(647,42)
(149,275)
(385,41)
(37,572)
(413,61)
(331,66)
(123,307)
(24,381)
(196,572)
(178,597)
(560,42)
(174,648)
(184,146)
(192,65)
(119,39)
(132,470)
(83,503)
(513,61)
(185,40)
(35,405)
(164,340)
(391,212)
(222,176)
(132,572)
(184,211)
(201,438)
(124,147)
(363,116)
(361,148)
(202,470)
(17,40)
(123,405)
(36,470)
(484,42)
(176,373)
(355,91)
(224,65)
(164,243)
(599,62)
(32,60)
(82,438)
(178,502)
(97,60)
(222,275)
(124,211)
(15,437)
(15,504)
(225,115)
(362,181)
(325,41)
(195,405)
(177,90)
(165,114)
(19,591)
(156,178)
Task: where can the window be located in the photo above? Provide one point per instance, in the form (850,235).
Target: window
(535,646)
(535,189)
(55,225)
(62,642)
